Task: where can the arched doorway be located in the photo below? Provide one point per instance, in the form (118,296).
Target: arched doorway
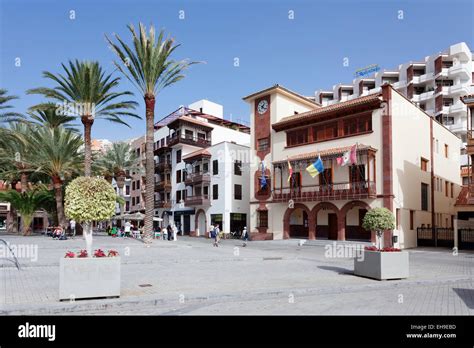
(353,212)
(296,222)
(200,223)
(326,221)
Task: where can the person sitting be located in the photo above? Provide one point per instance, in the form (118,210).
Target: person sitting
(58,232)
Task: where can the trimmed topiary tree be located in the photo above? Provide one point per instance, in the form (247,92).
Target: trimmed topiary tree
(88,200)
(379,220)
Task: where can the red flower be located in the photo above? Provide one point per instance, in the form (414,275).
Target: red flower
(82,253)
(386,249)
(70,254)
(99,253)
(112,253)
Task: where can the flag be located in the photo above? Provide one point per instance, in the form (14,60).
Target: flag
(315,168)
(263,180)
(349,157)
(290,171)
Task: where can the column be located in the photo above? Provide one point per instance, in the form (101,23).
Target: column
(341,227)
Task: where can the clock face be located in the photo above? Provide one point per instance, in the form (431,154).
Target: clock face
(262,107)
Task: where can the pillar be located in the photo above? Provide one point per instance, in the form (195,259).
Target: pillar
(341,228)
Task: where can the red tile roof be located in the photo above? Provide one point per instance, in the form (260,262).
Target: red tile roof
(372,100)
(463,196)
(191,120)
(198,153)
(328,153)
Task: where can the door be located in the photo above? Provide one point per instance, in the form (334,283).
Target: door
(186,224)
(332,226)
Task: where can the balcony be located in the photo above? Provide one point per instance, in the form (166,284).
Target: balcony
(188,140)
(426,77)
(192,201)
(470,142)
(163,204)
(460,89)
(162,166)
(198,178)
(336,191)
(426,95)
(161,149)
(458,69)
(163,185)
(459,106)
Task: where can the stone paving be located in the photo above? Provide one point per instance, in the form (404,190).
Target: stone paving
(190,276)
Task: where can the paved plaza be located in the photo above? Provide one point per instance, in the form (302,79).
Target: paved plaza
(191,277)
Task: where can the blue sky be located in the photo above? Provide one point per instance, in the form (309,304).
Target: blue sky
(303,54)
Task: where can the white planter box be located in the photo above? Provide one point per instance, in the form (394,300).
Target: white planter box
(383,265)
(89,277)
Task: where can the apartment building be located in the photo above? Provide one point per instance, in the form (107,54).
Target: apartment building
(201,167)
(406,161)
(435,84)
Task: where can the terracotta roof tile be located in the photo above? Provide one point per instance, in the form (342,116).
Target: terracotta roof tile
(368,99)
(202,152)
(328,153)
(192,120)
(463,196)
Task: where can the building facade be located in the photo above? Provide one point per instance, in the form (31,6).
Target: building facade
(196,159)
(434,84)
(406,161)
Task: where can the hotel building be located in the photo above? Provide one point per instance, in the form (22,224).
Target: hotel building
(435,84)
(202,170)
(407,161)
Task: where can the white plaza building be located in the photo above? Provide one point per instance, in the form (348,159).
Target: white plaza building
(407,162)
(202,170)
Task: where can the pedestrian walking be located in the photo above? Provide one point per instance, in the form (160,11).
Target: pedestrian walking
(216,231)
(72,225)
(245,236)
(170,232)
(127,229)
(175,232)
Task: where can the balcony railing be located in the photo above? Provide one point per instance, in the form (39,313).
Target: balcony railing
(188,140)
(336,191)
(163,185)
(162,166)
(163,204)
(198,178)
(197,200)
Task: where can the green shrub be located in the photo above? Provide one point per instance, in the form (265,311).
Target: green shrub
(379,219)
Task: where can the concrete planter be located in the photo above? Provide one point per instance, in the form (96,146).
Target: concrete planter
(383,265)
(89,277)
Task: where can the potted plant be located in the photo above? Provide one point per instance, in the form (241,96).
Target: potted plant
(89,274)
(378,262)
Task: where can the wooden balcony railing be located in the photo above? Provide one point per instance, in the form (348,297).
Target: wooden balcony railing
(335,191)
(197,200)
(163,185)
(189,140)
(162,166)
(163,204)
(197,178)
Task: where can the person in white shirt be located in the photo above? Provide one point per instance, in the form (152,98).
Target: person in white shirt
(128,227)
(72,224)
(175,232)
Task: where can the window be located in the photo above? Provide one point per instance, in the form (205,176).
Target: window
(127,189)
(357,125)
(238,192)
(178,196)
(424,164)
(397,215)
(178,176)
(263,144)
(325,132)
(412,219)
(201,136)
(424,197)
(238,168)
(325,178)
(178,156)
(297,137)
(138,184)
(138,200)
(127,206)
(215,167)
(205,191)
(205,167)
(357,173)
(215,192)
(133,185)
(446,188)
(262,218)
(452,190)
(446,150)
(189,134)
(133,200)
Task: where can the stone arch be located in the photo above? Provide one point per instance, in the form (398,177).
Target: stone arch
(196,223)
(287,215)
(314,215)
(349,205)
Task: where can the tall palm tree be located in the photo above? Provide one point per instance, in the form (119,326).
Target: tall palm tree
(26,203)
(5,114)
(149,67)
(56,153)
(87,93)
(116,162)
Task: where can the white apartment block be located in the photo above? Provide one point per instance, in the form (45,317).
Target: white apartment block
(435,84)
(407,162)
(201,167)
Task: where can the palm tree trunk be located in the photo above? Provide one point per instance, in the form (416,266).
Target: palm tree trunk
(24,182)
(26,223)
(120,184)
(58,195)
(87,121)
(12,217)
(149,168)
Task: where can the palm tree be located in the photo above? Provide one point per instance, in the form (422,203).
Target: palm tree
(116,162)
(5,114)
(49,116)
(26,203)
(149,67)
(87,93)
(56,153)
